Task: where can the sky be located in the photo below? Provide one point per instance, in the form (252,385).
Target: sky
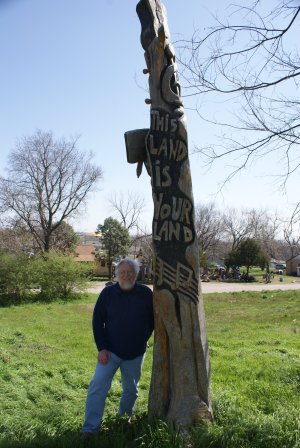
(74,67)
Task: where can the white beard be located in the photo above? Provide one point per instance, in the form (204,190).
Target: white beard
(126,286)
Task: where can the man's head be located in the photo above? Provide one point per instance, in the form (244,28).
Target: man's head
(126,273)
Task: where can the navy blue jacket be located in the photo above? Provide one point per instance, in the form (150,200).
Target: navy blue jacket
(123,320)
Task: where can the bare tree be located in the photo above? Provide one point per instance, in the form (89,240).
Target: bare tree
(142,247)
(48,180)
(16,238)
(219,233)
(209,226)
(253,62)
(265,230)
(238,226)
(128,207)
(291,234)
(147,249)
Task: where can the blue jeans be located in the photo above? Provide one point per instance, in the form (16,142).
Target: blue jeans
(100,385)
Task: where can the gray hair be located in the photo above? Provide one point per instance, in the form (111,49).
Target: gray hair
(130,261)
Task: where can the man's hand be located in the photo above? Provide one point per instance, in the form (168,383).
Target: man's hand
(103,357)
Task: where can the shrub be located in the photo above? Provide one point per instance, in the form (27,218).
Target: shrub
(57,275)
(15,278)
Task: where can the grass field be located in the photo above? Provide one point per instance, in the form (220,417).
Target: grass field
(276,278)
(47,357)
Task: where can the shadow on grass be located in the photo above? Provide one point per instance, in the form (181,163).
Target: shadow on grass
(7,301)
(115,433)
(118,433)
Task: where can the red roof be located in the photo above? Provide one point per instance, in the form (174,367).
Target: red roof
(85,252)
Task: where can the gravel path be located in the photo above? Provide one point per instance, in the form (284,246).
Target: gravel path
(208,287)
(231,287)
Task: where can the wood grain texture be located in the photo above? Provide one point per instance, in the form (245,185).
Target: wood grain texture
(180,385)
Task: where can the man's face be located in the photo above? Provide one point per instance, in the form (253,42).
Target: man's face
(126,276)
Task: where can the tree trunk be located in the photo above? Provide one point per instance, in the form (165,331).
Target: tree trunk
(110,270)
(180,384)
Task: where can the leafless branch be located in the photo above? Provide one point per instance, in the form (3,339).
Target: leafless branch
(255,64)
(128,207)
(47,182)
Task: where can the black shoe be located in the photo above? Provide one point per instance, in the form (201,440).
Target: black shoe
(87,437)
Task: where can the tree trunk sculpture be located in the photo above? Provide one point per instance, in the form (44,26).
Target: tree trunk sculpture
(180,384)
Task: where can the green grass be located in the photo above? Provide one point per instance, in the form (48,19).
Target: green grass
(255,351)
(259,276)
(47,358)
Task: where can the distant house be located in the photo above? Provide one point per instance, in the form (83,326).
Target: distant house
(90,251)
(87,253)
(293,266)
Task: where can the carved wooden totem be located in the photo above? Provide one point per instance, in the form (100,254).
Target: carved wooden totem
(180,384)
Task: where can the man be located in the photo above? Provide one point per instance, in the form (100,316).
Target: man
(122,325)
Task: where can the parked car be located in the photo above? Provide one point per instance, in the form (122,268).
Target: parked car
(279,268)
